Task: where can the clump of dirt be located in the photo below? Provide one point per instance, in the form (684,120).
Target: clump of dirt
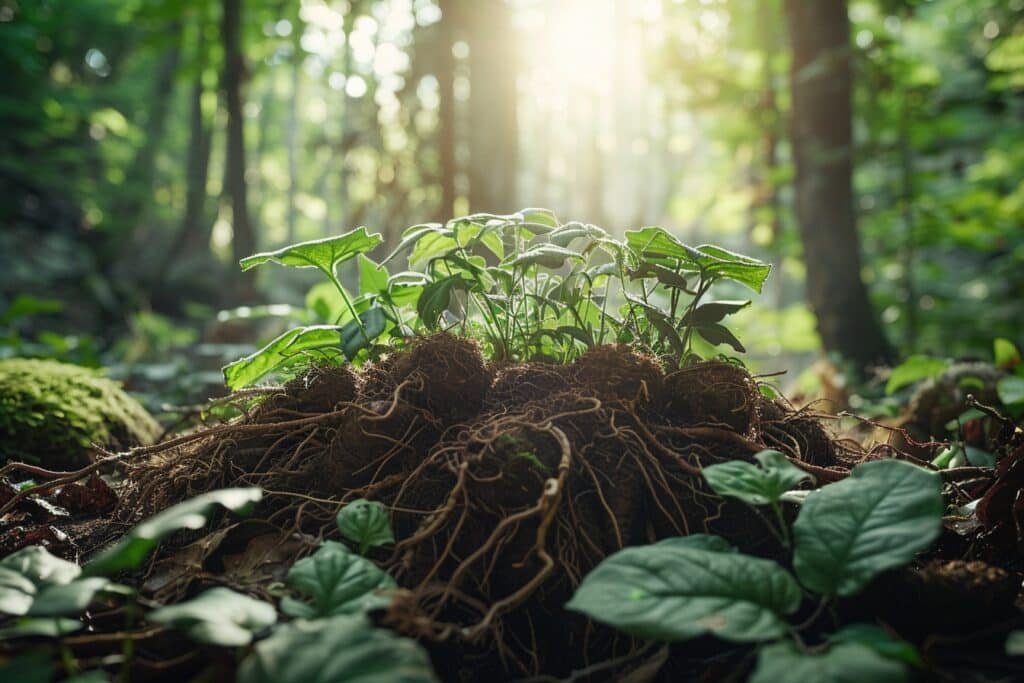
(618,373)
(452,374)
(515,385)
(807,436)
(712,393)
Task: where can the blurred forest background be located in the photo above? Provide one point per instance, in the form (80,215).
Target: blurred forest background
(873,150)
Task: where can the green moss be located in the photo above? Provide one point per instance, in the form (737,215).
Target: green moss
(51,412)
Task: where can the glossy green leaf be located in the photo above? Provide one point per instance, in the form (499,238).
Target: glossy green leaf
(684,589)
(658,245)
(366,524)
(436,297)
(760,484)
(354,337)
(841,663)
(879,640)
(914,369)
(878,518)
(324,254)
(255,366)
(131,550)
(334,580)
(336,650)
(218,616)
(373,277)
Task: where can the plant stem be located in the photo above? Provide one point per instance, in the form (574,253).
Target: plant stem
(128,646)
(783,528)
(348,304)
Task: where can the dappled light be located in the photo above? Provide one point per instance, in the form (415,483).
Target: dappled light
(511,340)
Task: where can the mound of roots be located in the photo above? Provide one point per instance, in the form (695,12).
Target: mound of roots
(506,485)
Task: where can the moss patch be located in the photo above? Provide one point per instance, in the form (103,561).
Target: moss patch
(50,412)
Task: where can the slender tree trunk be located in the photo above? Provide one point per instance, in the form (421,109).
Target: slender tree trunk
(143,168)
(293,139)
(446,114)
(822,138)
(493,118)
(243,242)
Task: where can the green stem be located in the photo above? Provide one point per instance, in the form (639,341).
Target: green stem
(783,528)
(67,657)
(348,304)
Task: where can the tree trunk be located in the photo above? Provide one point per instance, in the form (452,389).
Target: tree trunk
(493,118)
(446,112)
(243,241)
(822,136)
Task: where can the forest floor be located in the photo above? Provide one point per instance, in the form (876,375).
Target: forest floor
(506,484)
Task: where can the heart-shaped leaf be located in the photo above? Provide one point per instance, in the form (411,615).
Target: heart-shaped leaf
(219,616)
(336,581)
(753,484)
(688,588)
(366,524)
(878,518)
(336,650)
(324,254)
(131,550)
(254,367)
(841,663)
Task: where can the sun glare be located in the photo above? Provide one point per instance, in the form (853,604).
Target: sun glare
(576,47)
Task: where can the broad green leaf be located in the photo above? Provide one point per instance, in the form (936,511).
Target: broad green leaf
(355,338)
(665,276)
(658,245)
(411,235)
(879,640)
(545,255)
(716,334)
(760,484)
(219,616)
(1006,354)
(373,278)
(542,216)
(336,581)
(841,663)
(713,312)
(436,297)
(878,518)
(131,550)
(914,369)
(366,524)
(404,288)
(28,627)
(68,598)
(324,254)
(432,245)
(1011,390)
(253,367)
(681,590)
(326,302)
(336,650)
